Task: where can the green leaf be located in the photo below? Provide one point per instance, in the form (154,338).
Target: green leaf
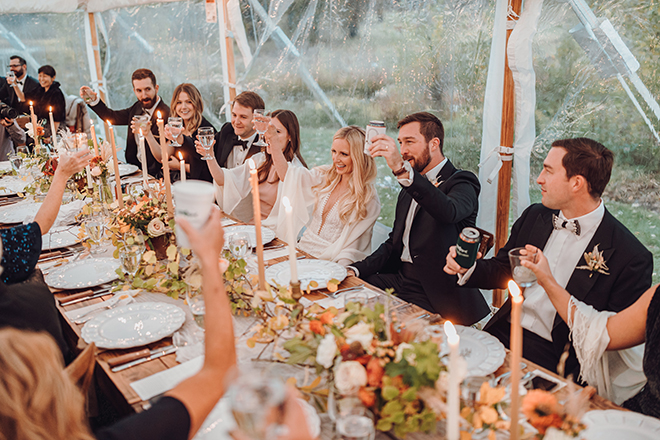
(389,392)
(410,394)
(384,425)
(392,407)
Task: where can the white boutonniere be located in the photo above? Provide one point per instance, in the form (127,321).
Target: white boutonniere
(437,183)
(595,262)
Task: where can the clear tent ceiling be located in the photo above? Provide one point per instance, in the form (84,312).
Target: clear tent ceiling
(373,59)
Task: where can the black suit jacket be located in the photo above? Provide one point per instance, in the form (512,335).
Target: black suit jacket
(31,90)
(124,117)
(443,213)
(630,266)
(225,140)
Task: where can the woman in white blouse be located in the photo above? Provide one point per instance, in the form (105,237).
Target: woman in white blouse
(338,203)
(233,185)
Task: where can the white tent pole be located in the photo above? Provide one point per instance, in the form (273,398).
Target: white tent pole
(222,30)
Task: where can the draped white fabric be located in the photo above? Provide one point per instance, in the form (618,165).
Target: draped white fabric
(64,6)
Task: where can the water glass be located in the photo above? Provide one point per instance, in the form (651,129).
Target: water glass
(197,306)
(94,228)
(135,238)
(16,161)
(205,136)
(523,276)
(260,122)
(359,296)
(239,245)
(176,127)
(130,257)
(356,424)
(141,122)
(257,403)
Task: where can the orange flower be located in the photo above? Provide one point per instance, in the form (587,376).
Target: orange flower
(542,410)
(367,396)
(317,327)
(375,372)
(326,317)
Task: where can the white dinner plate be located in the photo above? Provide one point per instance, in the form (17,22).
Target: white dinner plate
(133,325)
(11,185)
(483,352)
(61,236)
(267,235)
(612,424)
(83,273)
(320,271)
(19,212)
(125,169)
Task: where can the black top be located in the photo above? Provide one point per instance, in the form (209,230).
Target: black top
(31,90)
(167,419)
(647,401)
(29,305)
(124,117)
(21,249)
(198,168)
(51,98)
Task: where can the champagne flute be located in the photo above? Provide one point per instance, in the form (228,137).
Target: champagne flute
(176,127)
(260,121)
(205,136)
(523,276)
(239,245)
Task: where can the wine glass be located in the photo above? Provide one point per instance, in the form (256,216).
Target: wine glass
(94,226)
(260,121)
(197,306)
(135,238)
(205,136)
(130,256)
(239,245)
(523,276)
(356,423)
(141,122)
(16,161)
(256,401)
(22,149)
(176,127)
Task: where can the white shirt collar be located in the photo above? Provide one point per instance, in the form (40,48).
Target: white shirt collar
(433,172)
(590,220)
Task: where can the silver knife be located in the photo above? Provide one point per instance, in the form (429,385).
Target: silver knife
(155,354)
(96,294)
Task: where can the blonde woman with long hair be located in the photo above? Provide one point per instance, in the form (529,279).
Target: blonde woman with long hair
(340,203)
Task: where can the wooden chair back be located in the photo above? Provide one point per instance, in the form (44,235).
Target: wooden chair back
(81,370)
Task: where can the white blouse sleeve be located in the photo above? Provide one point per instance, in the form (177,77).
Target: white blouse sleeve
(237,184)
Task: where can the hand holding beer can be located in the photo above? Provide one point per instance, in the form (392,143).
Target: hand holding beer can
(467,247)
(374,128)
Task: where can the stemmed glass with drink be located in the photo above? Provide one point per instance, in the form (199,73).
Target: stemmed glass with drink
(523,276)
(205,135)
(197,306)
(257,403)
(260,121)
(130,256)
(94,226)
(175,125)
(239,245)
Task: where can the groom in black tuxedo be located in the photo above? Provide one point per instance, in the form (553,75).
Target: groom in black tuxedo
(435,203)
(570,225)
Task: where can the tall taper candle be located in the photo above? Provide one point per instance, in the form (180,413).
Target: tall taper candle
(115,160)
(182,167)
(516,356)
(454,382)
(143,160)
(256,204)
(33,119)
(290,238)
(93,133)
(166,164)
(52,128)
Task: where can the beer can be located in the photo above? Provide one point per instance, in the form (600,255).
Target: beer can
(467,247)
(374,128)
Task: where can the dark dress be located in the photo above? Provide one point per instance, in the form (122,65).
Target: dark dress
(168,419)
(647,401)
(198,168)
(21,249)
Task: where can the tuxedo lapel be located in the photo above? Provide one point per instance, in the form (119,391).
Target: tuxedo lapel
(541,231)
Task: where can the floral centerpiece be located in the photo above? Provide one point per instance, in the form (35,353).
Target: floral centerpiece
(553,420)
(361,353)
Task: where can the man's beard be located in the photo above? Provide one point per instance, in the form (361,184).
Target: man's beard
(148,103)
(420,162)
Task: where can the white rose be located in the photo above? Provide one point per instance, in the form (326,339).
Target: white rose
(399,353)
(325,354)
(96,171)
(350,376)
(156,227)
(360,332)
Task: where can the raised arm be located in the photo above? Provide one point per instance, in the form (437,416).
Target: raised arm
(154,146)
(215,169)
(200,393)
(626,329)
(68,165)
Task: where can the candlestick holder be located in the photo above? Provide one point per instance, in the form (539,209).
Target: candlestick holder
(296,293)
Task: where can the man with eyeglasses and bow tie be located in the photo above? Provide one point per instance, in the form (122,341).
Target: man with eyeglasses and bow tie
(19,90)
(571,225)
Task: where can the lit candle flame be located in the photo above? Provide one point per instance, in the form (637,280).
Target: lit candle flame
(109,123)
(180,156)
(50,109)
(91,121)
(514,291)
(158,114)
(450,331)
(286,203)
(252,166)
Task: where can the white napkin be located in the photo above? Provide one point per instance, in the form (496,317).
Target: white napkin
(227,221)
(28,210)
(276,253)
(77,313)
(164,381)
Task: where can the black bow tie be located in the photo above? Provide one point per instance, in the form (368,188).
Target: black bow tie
(561,223)
(243,144)
(19,82)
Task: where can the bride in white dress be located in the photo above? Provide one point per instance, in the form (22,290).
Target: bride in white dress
(338,203)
